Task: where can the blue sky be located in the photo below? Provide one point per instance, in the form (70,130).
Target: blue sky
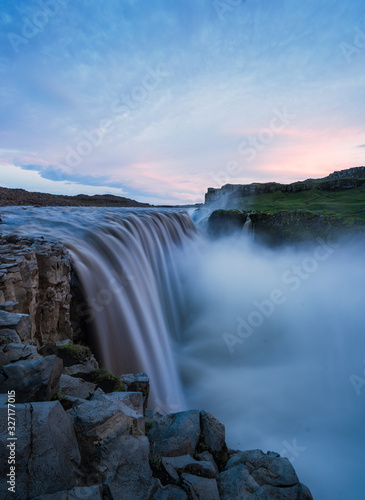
(159,100)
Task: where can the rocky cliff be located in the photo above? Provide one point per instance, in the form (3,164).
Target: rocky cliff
(35,277)
(343,179)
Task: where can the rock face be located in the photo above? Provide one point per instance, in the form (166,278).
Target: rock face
(35,280)
(47,454)
(344,179)
(283,227)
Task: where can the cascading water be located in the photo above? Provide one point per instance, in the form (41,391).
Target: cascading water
(270,341)
(126,265)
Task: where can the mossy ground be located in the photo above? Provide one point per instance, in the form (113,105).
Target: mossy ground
(341,203)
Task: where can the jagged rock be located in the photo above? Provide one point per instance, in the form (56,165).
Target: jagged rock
(208,457)
(113,447)
(175,434)
(82,368)
(76,387)
(186,464)
(213,431)
(236,482)
(261,476)
(47,454)
(138,382)
(34,380)
(79,493)
(266,468)
(35,278)
(201,488)
(19,352)
(19,324)
(169,492)
(8,306)
(8,335)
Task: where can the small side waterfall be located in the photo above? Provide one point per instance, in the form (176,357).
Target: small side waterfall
(127,271)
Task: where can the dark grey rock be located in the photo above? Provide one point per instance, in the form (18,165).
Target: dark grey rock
(201,488)
(47,452)
(213,431)
(138,382)
(113,446)
(175,434)
(266,469)
(34,380)
(169,492)
(18,352)
(236,482)
(78,493)
(82,368)
(76,387)
(175,466)
(208,457)
(21,324)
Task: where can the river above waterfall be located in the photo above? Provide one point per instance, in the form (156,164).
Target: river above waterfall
(270,341)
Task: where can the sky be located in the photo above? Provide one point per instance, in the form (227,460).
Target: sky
(158,100)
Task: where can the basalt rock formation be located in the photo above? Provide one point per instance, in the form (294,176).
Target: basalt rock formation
(35,277)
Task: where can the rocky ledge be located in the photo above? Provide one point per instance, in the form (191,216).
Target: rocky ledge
(83,433)
(35,290)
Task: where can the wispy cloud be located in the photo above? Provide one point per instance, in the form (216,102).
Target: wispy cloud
(223,79)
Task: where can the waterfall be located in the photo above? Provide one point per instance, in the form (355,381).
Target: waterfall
(125,262)
(127,271)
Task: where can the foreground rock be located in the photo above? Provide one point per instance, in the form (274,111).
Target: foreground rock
(32,380)
(93,445)
(47,454)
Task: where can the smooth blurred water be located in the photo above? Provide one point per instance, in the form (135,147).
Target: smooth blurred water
(291,383)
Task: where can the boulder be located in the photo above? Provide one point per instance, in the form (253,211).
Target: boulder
(169,492)
(175,466)
(266,468)
(175,434)
(213,432)
(261,476)
(82,368)
(208,457)
(138,382)
(79,493)
(236,482)
(76,387)
(113,447)
(20,352)
(47,454)
(201,488)
(33,380)
(19,324)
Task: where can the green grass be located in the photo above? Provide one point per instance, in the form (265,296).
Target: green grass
(344,203)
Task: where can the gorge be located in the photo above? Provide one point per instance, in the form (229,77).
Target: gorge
(266,339)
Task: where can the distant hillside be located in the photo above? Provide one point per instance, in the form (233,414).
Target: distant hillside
(341,180)
(21,197)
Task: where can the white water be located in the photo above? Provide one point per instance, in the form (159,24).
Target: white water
(179,308)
